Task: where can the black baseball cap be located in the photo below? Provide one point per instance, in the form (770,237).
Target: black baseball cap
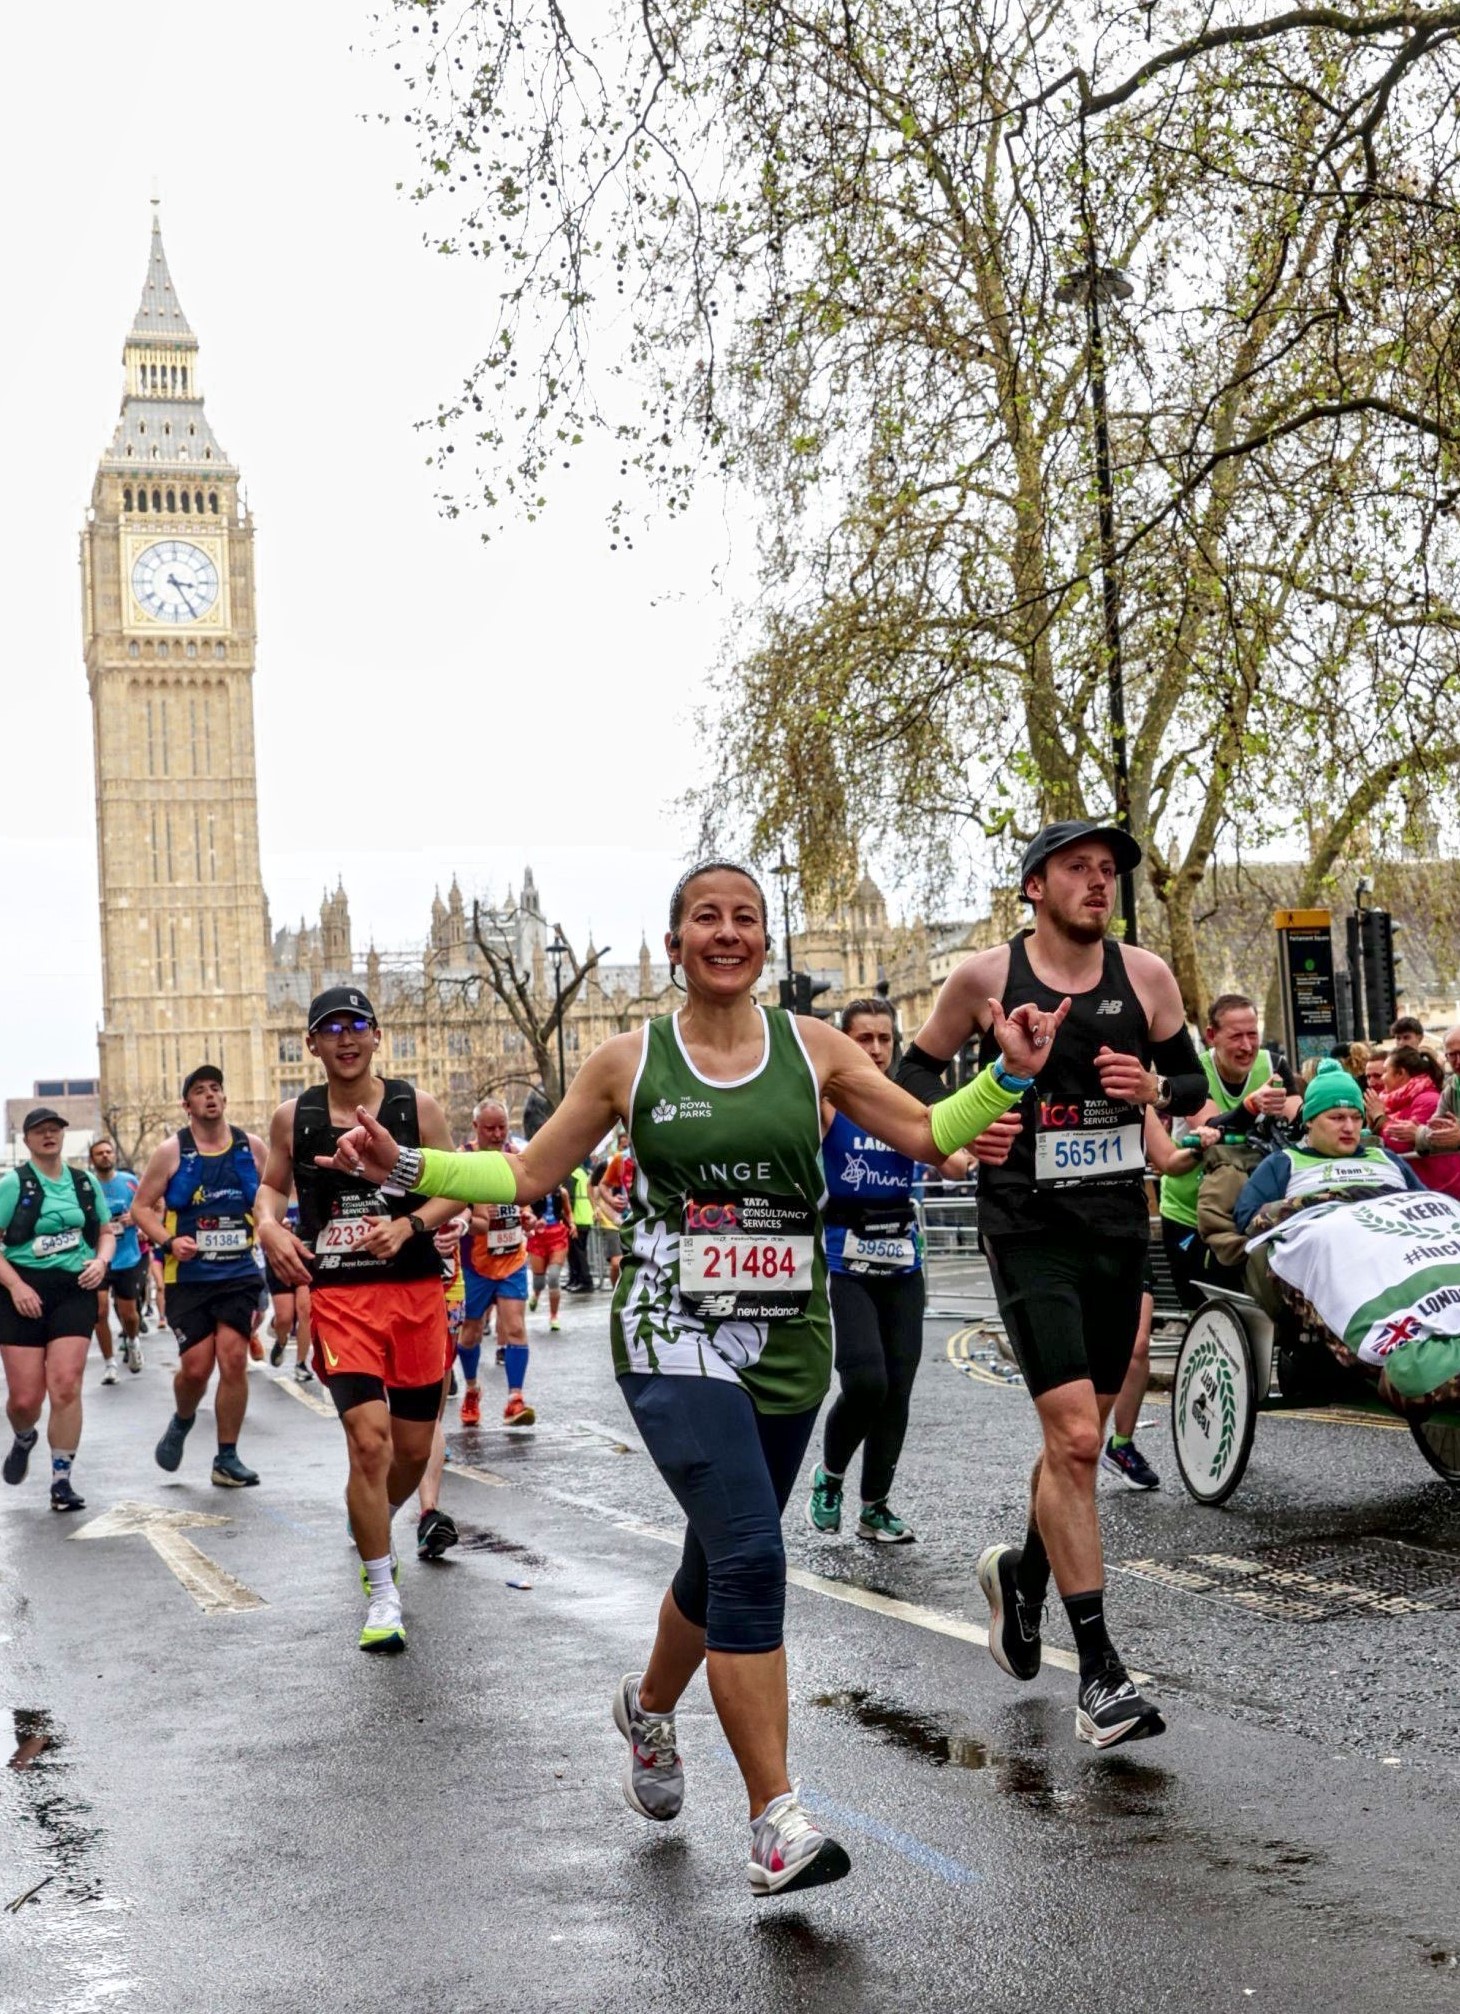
(338,1000)
(43,1115)
(1068,832)
(206,1073)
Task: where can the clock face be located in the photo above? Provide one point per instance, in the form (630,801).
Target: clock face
(175,581)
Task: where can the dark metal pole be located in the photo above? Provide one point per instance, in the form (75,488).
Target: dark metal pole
(1110,584)
(784,871)
(558,993)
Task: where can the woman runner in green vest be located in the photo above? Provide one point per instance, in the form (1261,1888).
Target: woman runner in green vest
(721,1325)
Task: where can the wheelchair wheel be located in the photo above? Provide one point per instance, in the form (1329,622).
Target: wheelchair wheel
(1214,1400)
(1438,1438)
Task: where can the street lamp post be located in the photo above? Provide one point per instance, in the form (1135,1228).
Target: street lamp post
(1089,285)
(783,871)
(558,951)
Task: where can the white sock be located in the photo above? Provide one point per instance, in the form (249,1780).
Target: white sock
(378,1574)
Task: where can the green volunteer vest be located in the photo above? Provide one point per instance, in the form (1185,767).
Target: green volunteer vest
(731,1172)
(1178,1192)
(578,1190)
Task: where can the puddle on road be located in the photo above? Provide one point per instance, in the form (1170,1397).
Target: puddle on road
(905,1729)
(68,1841)
(478,1538)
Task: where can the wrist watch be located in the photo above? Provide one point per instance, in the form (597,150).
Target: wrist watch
(416,1225)
(165,1247)
(1163,1094)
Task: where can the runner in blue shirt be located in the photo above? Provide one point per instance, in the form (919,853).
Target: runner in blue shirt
(874,1261)
(126,1276)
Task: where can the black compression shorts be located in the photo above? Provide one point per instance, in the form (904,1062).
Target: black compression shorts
(1070,1306)
(66,1309)
(195,1311)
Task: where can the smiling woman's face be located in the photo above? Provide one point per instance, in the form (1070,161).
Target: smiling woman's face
(721,942)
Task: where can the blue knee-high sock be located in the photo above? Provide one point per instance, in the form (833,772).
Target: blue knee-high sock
(515,1356)
(469,1356)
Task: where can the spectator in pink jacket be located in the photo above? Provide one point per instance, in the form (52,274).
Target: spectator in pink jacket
(1413,1081)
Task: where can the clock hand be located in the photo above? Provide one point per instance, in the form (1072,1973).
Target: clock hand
(173,581)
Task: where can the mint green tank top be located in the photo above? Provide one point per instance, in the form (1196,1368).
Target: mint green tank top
(724,1271)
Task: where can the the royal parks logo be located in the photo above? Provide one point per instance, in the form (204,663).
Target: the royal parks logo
(687,1108)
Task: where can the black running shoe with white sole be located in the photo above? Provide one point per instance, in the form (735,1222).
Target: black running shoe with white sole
(1014,1641)
(64,1498)
(435,1534)
(1111,1710)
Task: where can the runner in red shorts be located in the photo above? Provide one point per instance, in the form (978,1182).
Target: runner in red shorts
(378,1304)
(549,1233)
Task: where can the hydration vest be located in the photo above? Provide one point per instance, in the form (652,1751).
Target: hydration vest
(21,1228)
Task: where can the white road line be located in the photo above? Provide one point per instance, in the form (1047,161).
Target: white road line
(306,1397)
(213,1588)
(476,1475)
(910,1612)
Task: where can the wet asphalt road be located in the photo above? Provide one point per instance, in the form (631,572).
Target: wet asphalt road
(238,1811)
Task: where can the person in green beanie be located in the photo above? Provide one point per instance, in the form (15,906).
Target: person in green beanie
(1331,1161)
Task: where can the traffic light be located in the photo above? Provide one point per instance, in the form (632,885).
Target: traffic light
(1381,988)
(788,995)
(809,989)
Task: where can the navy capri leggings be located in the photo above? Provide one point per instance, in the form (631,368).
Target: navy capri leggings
(731,1470)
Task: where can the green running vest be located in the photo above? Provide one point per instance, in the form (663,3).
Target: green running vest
(1178,1192)
(724,1271)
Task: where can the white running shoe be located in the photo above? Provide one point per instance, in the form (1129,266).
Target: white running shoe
(109,1375)
(385,1630)
(788,1851)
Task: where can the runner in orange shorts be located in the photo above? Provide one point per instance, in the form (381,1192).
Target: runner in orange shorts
(378,1305)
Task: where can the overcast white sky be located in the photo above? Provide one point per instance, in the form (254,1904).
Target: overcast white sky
(535,693)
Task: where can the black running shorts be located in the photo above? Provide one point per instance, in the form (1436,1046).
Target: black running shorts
(195,1311)
(1070,1306)
(66,1309)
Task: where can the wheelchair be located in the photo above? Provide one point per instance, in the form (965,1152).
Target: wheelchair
(1234,1362)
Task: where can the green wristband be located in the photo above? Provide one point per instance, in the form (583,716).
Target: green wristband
(467,1178)
(957,1120)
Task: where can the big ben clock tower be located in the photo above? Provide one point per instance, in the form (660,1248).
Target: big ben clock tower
(168,618)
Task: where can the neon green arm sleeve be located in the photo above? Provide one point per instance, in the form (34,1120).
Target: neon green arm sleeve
(468,1178)
(957,1120)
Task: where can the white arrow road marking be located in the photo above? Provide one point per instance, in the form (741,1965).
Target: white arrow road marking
(213,1588)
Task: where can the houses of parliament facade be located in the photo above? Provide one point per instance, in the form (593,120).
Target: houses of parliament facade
(192,967)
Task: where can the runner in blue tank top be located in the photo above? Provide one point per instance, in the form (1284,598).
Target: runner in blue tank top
(195,1206)
(875,1264)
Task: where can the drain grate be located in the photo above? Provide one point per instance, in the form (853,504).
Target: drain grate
(1315,1580)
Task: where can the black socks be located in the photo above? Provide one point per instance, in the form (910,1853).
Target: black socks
(1087,1620)
(1031,1576)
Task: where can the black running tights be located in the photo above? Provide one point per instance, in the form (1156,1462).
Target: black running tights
(879,1341)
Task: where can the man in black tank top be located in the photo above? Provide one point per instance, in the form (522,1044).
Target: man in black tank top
(1065,1225)
(378,1302)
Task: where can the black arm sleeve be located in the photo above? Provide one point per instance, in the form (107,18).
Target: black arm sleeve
(922,1074)
(1175,1057)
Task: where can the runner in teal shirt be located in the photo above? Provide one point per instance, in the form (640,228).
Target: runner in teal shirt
(58,1244)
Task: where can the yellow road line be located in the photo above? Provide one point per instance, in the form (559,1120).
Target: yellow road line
(956,1350)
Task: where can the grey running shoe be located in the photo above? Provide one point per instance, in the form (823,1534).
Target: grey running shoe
(788,1851)
(229,1473)
(303,1375)
(1014,1642)
(169,1450)
(1110,1710)
(134,1355)
(18,1459)
(653,1779)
